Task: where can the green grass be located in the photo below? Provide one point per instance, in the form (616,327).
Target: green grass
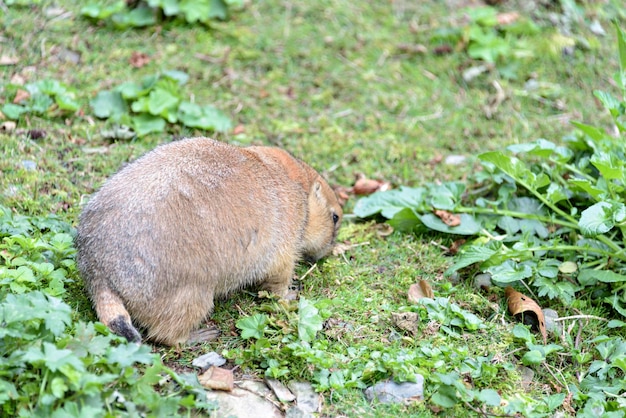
(331,82)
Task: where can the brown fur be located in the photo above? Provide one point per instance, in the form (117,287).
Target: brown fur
(194,220)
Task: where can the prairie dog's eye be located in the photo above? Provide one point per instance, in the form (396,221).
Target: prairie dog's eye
(335,218)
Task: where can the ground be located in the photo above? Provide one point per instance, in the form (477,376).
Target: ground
(387,89)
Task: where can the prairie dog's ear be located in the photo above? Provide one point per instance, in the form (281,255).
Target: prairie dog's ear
(317,189)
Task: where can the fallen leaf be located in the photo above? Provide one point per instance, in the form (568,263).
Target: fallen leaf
(342,193)
(437,159)
(364,186)
(443,49)
(217,378)
(8,60)
(519,303)
(448,218)
(139,59)
(412,48)
(406,321)
(20,96)
(8,126)
(420,290)
(507,18)
(456,245)
(239,129)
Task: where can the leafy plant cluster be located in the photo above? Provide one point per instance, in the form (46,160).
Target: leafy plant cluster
(53,366)
(48,98)
(555,217)
(148,106)
(147,13)
(552,217)
(487,39)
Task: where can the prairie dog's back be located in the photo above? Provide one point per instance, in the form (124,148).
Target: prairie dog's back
(188,221)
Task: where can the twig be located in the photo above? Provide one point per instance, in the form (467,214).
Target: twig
(565,318)
(308,272)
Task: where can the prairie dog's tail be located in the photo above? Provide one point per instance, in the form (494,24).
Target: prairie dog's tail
(113,314)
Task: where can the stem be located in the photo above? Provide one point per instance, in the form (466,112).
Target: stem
(574,170)
(514,214)
(548,204)
(577,248)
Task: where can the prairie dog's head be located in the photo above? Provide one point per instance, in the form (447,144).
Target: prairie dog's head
(325,215)
(324,211)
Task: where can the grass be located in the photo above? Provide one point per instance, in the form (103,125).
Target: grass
(332,82)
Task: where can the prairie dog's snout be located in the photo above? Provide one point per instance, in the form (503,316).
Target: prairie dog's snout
(195,219)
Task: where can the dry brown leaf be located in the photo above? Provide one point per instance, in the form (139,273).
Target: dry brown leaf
(8,126)
(139,59)
(520,303)
(420,290)
(217,378)
(456,245)
(239,129)
(448,218)
(342,194)
(507,18)
(8,60)
(20,96)
(407,321)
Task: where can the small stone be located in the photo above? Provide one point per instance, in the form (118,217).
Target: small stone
(209,359)
(29,165)
(389,391)
(256,387)
(306,398)
(455,159)
(218,379)
(527,376)
(295,412)
(282,393)
(596,28)
(242,403)
(482,281)
(550,316)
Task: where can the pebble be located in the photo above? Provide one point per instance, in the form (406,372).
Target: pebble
(282,393)
(455,159)
(307,400)
(29,165)
(549,316)
(209,359)
(389,391)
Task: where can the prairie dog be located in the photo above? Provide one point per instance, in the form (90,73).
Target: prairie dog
(197,219)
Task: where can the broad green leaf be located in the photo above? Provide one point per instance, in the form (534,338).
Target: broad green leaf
(614,106)
(597,219)
(469,225)
(474,254)
(586,186)
(554,401)
(509,271)
(195,10)
(532,357)
(108,104)
(99,11)
(515,168)
(589,277)
(203,117)
(170,7)
(309,320)
(180,77)
(609,165)
(591,131)
(218,10)
(144,124)
(252,326)
(390,202)
(135,18)
(162,103)
(40,103)
(13,111)
(406,220)
(447,195)
(522,332)
(445,396)
(66,102)
(489,397)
